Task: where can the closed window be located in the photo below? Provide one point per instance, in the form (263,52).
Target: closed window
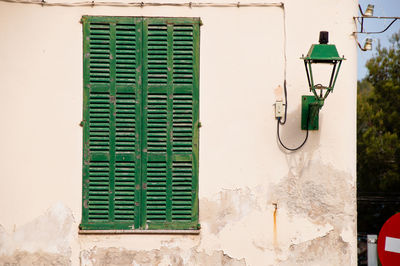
(140,123)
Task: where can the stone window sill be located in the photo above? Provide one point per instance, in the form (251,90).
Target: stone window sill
(154,232)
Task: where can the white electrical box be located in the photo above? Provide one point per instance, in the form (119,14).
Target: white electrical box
(279,109)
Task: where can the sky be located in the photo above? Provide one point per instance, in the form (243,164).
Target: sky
(383,8)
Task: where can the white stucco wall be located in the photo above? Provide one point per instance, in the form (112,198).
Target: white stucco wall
(243,172)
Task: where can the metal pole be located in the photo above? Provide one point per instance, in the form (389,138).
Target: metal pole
(372,250)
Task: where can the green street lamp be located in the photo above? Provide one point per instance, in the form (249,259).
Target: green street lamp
(322,53)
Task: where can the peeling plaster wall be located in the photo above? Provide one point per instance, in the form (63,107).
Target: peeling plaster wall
(258,204)
(44,241)
(162,256)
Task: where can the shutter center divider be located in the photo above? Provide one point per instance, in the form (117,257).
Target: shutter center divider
(112,122)
(170,94)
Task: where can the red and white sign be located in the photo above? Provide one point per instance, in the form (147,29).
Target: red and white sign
(389,242)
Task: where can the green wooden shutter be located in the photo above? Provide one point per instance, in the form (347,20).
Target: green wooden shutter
(140,152)
(170,127)
(112,111)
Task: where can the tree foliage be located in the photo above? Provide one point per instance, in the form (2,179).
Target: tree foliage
(378,121)
(378,133)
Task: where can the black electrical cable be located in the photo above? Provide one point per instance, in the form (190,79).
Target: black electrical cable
(377,32)
(291,149)
(282,123)
(285,92)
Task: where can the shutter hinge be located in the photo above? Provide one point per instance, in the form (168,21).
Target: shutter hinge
(199,125)
(82,123)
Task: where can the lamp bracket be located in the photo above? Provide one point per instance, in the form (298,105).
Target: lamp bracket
(310,106)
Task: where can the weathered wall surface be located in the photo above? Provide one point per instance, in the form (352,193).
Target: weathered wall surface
(258,204)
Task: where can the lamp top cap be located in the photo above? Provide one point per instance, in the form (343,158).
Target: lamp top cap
(323,37)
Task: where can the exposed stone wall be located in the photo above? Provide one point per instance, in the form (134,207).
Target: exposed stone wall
(162,256)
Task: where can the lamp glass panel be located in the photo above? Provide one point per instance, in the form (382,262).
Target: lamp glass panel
(322,73)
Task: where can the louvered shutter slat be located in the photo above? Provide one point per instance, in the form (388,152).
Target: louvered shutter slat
(126,118)
(98,122)
(185,116)
(99,53)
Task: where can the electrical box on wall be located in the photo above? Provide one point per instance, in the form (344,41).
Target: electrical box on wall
(279,109)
